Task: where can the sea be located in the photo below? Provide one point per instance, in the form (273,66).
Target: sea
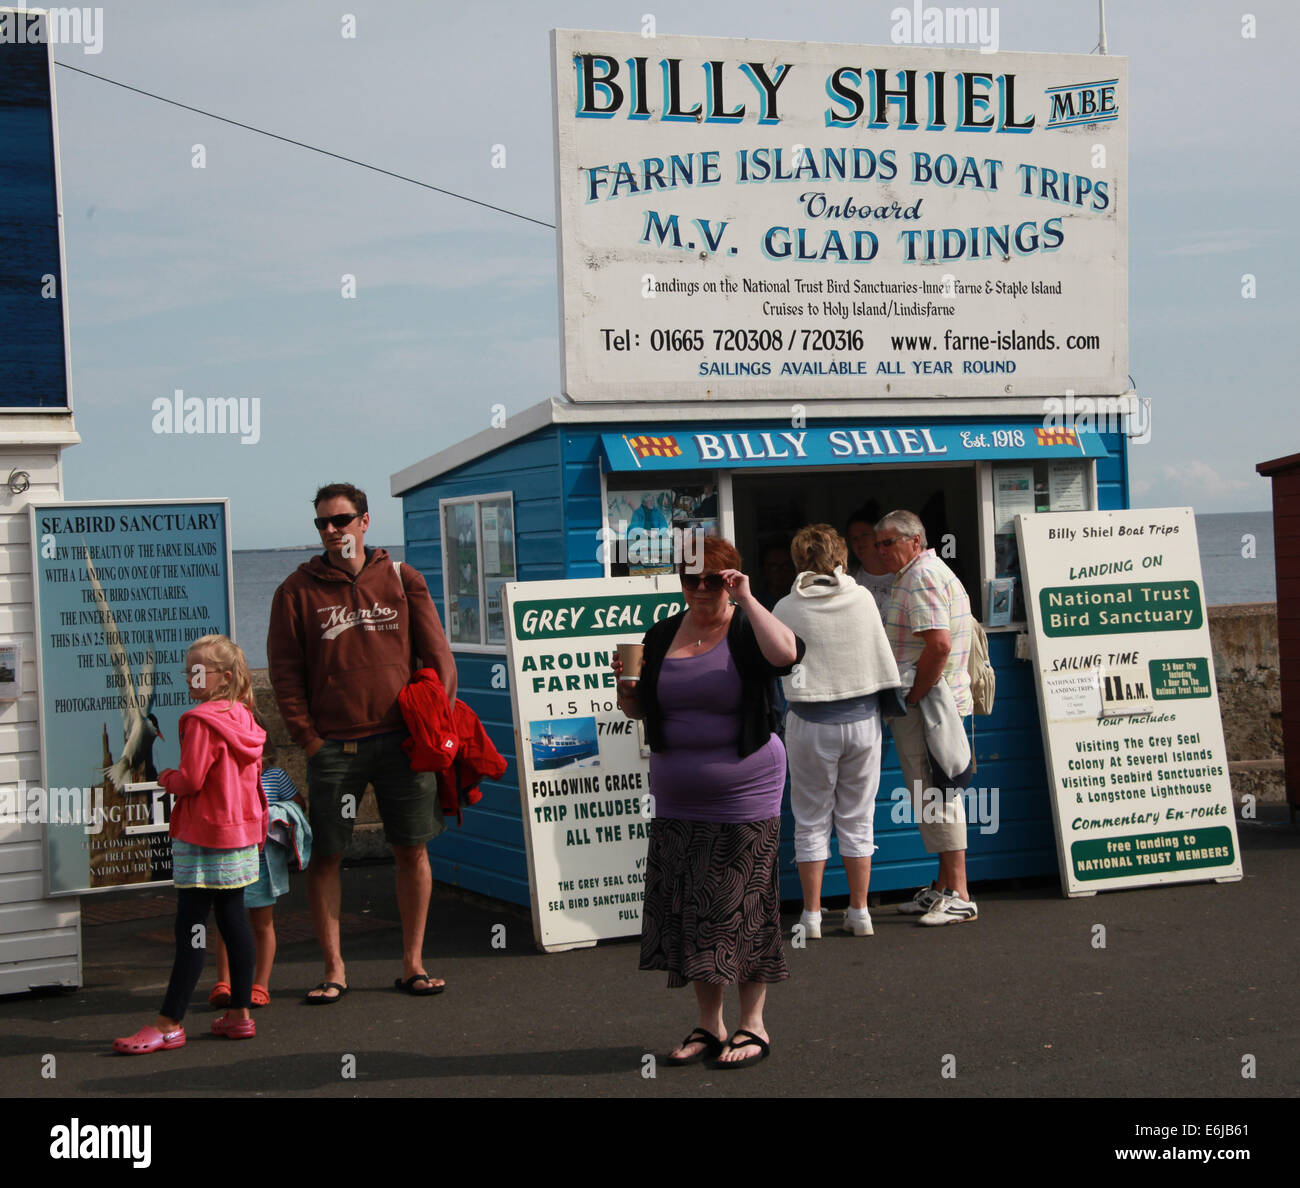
(1237,558)
(1236,566)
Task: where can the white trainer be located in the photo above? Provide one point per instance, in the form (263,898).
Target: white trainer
(858,922)
(812,925)
(951,909)
(920,903)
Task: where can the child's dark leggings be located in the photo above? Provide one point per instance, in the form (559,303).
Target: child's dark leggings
(192,906)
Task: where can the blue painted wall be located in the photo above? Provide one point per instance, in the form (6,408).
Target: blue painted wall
(33,371)
(555,476)
(486,854)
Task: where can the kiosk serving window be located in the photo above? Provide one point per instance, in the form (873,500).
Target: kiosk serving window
(478,557)
(771,507)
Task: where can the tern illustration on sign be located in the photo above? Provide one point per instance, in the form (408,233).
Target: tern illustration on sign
(110,845)
(139,726)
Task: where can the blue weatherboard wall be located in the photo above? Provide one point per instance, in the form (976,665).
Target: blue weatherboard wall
(487,855)
(32,364)
(554,474)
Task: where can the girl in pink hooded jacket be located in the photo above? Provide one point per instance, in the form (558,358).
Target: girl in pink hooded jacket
(218,823)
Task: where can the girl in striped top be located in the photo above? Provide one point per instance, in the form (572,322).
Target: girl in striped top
(272,882)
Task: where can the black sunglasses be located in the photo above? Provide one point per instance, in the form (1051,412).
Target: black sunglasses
(713,582)
(342,520)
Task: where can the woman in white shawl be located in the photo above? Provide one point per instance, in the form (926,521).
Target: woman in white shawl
(832,732)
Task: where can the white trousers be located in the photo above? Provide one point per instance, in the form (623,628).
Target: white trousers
(834,776)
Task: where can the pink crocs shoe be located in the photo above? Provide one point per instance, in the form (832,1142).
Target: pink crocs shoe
(233,1027)
(149,1039)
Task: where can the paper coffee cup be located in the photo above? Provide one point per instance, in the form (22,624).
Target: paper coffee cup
(630,656)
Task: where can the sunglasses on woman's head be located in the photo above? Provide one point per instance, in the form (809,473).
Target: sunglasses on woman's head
(713,582)
(342,520)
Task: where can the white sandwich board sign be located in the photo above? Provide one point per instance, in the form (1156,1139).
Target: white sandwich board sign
(584,783)
(1127,698)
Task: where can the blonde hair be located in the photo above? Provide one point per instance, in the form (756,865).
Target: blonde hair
(818,548)
(226,656)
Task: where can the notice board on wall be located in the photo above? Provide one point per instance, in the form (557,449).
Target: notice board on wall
(1127,699)
(122,588)
(584,776)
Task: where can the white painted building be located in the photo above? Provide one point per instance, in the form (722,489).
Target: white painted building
(40,937)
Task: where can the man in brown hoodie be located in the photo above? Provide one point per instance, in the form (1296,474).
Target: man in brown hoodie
(348,629)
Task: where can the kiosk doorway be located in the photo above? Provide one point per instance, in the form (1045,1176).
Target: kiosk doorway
(769,508)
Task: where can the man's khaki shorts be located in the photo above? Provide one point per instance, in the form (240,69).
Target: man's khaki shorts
(336,781)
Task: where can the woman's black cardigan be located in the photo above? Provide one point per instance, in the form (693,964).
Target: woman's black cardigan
(758,715)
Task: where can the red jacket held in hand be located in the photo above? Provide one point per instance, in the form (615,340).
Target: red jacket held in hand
(450,741)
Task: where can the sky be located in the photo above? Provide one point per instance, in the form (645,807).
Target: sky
(228,280)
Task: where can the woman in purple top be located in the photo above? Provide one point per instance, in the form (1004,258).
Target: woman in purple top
(712,910)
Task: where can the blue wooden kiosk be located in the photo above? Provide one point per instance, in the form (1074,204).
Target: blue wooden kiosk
(529,502)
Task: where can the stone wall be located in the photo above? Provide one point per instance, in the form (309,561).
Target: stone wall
(1243,638)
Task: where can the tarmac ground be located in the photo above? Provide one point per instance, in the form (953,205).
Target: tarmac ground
(1185,991)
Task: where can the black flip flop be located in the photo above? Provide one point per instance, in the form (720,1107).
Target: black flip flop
(712,1047)
(424,992)
(749,1040)
(326,999)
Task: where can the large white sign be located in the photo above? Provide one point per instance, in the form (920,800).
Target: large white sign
(767,219)
(584,783)
(1127,698)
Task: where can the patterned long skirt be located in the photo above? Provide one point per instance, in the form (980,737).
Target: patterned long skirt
(712,909)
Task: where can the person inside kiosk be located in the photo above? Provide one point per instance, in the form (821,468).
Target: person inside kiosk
(871,571)
(770,508)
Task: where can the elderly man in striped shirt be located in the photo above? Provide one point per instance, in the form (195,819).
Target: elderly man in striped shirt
(928,621)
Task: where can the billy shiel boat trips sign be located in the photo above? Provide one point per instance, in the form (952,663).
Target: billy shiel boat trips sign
(1127,698)
(758,219)
(584,783)
(122,589)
